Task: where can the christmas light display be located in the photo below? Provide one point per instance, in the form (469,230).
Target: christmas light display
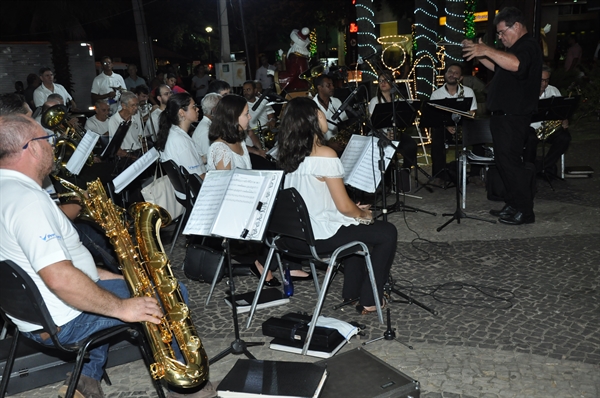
(423,72)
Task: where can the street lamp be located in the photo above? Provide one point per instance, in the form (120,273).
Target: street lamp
(209,31)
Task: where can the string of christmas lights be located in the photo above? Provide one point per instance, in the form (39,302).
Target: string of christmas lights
(470,7)
(454,29)
(425,35)
(313,43)
(366,27)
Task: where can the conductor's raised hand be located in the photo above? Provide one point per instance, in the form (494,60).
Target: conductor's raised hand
(472,50)
(140,309)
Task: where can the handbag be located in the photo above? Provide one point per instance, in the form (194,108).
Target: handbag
(201,263)
(161,193)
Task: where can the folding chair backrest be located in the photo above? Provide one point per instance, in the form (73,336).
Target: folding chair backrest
(21,299)
(476,131)
(290,217)
(172,170)
(193,182)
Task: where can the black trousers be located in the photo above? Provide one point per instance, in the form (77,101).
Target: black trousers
(559,143)
(381,238)
(510,132)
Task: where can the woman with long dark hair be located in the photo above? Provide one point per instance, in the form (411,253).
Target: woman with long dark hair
(317,173)
(174,140)
(227,133)
(407,146)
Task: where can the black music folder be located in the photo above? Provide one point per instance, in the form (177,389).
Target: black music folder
(252,378)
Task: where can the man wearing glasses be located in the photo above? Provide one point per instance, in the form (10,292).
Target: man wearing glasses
(132,143)
(108,85)
(512,99)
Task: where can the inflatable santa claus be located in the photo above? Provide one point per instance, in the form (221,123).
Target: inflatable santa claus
(296,62)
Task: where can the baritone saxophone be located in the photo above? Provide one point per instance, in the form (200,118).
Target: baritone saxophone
(147,271)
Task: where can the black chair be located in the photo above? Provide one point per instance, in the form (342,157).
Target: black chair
(290,219)
(21,299)
(474,132)
(180,186)
(193,183)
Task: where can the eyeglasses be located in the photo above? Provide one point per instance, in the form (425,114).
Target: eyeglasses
(501,33)
(546,80)
(50,138)
(106,63)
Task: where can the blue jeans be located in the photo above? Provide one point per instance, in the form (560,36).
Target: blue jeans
(87,323)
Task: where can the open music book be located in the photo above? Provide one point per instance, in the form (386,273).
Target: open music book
(234,204)
(82,153)
(132,172)
(360,160)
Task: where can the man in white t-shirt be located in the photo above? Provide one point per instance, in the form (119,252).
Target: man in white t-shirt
(108,85)
(99,122)
(559,139)
(39,238)
(200,82)
(40,95)
(263,116)
(451,89)
(263,75)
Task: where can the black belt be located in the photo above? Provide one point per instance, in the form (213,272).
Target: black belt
(498,113)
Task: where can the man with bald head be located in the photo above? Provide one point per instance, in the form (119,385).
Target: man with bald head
(38,237)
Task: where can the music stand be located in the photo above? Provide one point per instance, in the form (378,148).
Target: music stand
(553,108)
(462,109)
(110,152)
(395,114)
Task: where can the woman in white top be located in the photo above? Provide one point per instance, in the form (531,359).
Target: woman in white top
(173,140)
(227,133)
(407,146)
(317,173)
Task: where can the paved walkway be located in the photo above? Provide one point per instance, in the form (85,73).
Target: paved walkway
(517,307)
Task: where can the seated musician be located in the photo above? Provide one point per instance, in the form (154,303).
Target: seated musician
(316,172)
(407,146)
(452,88)
(328,104)
(559,139)
(82,299)
(174,139)
(131,147)
(200,135)
(261,118)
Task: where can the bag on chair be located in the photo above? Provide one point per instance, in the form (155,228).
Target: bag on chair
(161,193)
(201,263)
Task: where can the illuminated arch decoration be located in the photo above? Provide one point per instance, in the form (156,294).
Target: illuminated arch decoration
(424,63)
(391,43)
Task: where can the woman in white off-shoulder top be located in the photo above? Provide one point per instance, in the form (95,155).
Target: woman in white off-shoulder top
(227,133)
(317,173)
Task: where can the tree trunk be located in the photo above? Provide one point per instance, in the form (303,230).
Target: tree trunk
(454,30)
(426,31)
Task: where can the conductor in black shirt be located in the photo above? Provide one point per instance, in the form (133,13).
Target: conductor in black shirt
(512,99)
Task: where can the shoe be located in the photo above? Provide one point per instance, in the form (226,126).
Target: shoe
(302,278)
(274,282)
(86,388)
(208,391)
(367,311)
(506,211)
(518,219)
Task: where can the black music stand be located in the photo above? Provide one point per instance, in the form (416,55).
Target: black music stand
(461,109)
(396,114)
(553,108)
(110,152)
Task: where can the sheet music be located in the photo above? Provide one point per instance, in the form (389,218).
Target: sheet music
(362,171)
(274,152)
(82,153)
(208,202)
(259,220)
(239,205)
(133,171)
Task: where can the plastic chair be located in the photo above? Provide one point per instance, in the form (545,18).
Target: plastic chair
(290,219)
(172,170)
(21,299)
(476,131)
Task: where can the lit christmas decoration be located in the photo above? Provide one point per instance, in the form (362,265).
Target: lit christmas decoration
(425,28)
(470,7)
(454,28)
(366,26)
(313,43)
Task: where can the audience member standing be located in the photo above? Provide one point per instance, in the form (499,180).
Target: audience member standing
(40,95)
(108,85)
(263,75)
(574,53)
(133,80)
(200,82)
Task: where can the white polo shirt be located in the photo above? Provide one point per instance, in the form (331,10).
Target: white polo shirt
(131,142)
(42,92)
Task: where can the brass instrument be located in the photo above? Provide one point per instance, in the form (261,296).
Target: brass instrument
(547,128)
(69,136)
(147,271)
